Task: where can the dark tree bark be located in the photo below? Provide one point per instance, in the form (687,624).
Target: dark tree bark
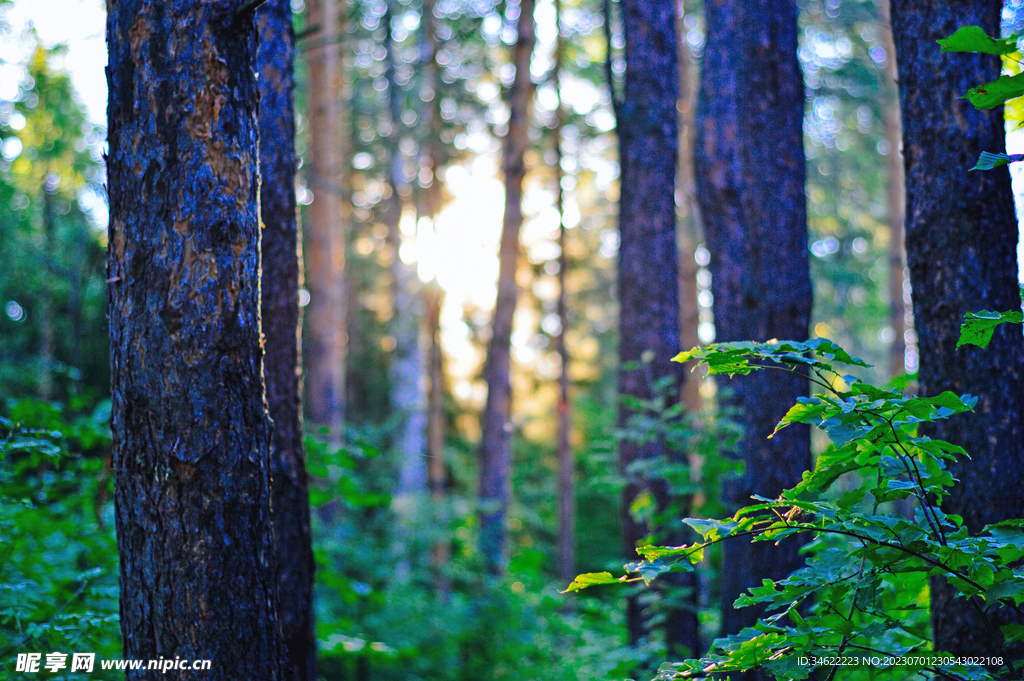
(281,318)
(495,424)
(648,282)
(327,320)
(190,428)
(961,250)
(750,185)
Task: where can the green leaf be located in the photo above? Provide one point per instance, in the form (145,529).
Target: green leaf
(830,350)
(978,327)
(693,552)
(991,95)
(974,39)
(1012,632)
(804,411)
(594,579)
(987,160)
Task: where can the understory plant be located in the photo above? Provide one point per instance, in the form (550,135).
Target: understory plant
(860,605)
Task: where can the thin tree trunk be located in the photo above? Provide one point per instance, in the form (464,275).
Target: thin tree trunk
(436,472)
(961,250)
(46,303)
(281,318)
(326,325)
(648,272)
(750,183)
(75,288)
(408,395)
(495,422)
(566,465)
(689,223)
(895,198)
(433,296)
(190,428)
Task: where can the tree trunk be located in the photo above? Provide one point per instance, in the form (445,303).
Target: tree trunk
(495,422)
(45,390)
(689,215)
(436,472)
(190,429)
(326,325)
(648,278)
(281,318)
(566,465)
(408,396)
(433,296)
(895,198)
(750,184)
(961,250)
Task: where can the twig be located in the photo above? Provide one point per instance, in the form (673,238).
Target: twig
(247,8)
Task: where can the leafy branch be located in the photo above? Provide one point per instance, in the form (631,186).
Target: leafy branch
(857,553)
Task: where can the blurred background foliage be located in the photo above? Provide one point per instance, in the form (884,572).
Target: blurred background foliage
(385,612)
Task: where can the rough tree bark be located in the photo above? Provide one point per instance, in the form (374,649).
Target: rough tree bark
(281,318)
(961,250)
(750,185)
(495,424)
(326,324)
(190,429)
(648,279)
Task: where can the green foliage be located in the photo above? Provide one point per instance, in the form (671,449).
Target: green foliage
(973,39)
(51,256)
(1007,89)
(978,327)
(58,561)
(987,160)
(863,592)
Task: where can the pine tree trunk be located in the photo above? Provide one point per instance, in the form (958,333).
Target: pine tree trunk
(45,389)
(429,206)
(566,464)
(282,326)
(648,278)
(750,184)
(961,250)
(495,422)
(689,222)
(895,198)
(190,429)
(436,472)
(408,396)
(324,252)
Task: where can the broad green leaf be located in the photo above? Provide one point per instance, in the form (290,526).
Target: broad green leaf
(978,327)
(711,529)
(1012,632)
(830,350)
(974,39)
(991,95)
(693,552)
(802,412)
(593,579)
(987,160)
